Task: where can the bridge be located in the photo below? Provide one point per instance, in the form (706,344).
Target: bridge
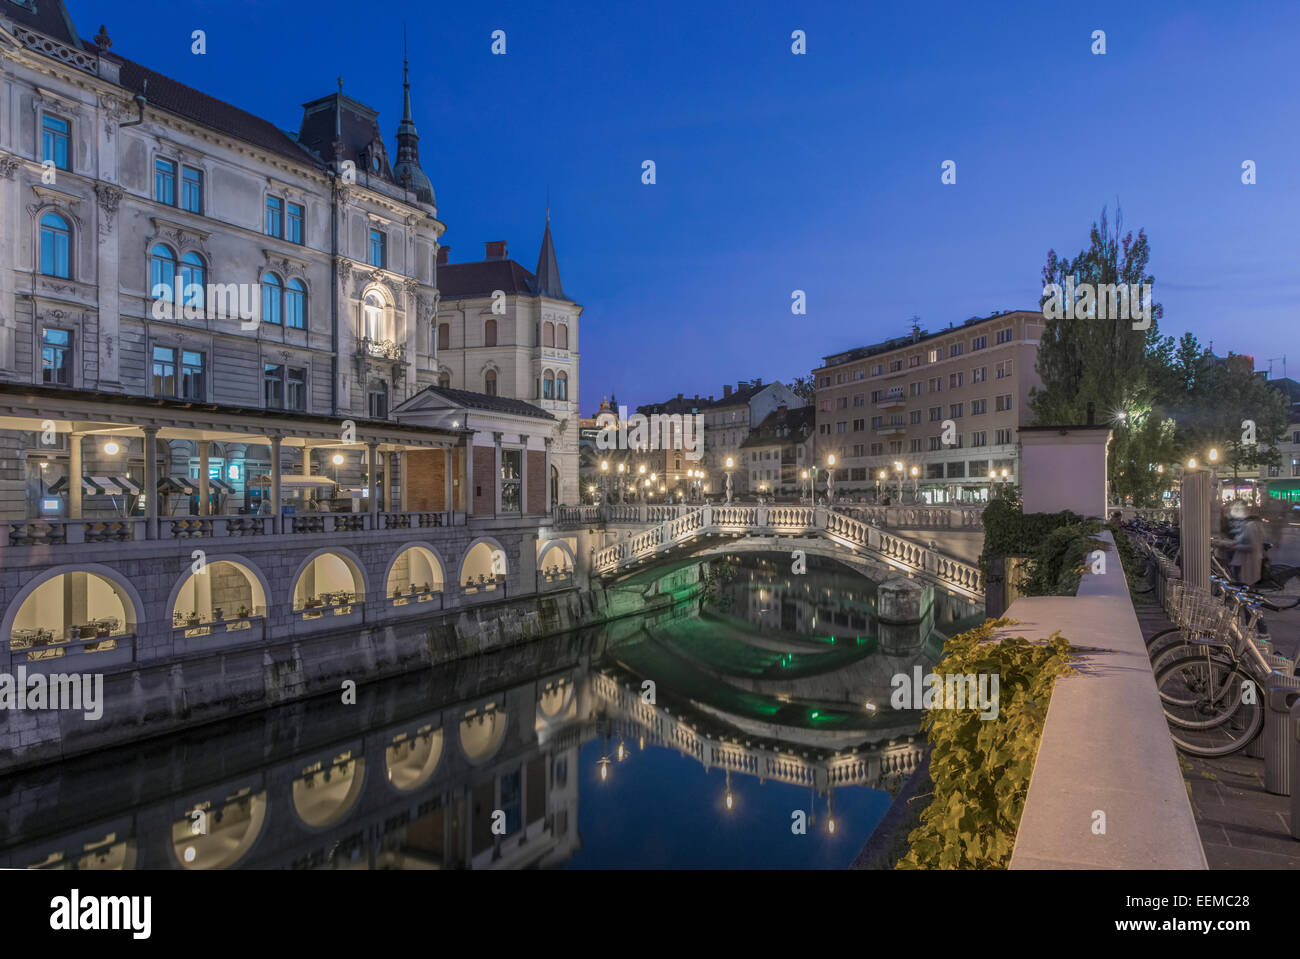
(656,532)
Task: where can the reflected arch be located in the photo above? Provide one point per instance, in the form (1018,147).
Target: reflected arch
(412,759)
(327,792)
(481,733)
(223,836)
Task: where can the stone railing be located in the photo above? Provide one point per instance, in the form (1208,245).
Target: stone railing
(884,517)
(848,531)
(1151,514)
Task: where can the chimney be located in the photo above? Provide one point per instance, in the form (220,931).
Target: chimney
(444,255)
(496,250)
(726,391)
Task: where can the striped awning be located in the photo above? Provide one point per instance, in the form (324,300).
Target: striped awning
(101,485)
(219,484)
(178,484)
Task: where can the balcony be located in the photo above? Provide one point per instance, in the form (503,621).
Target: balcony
(892,401)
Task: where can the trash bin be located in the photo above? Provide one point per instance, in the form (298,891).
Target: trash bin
(1282,692)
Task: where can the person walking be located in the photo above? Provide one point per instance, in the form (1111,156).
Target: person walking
(1248,556)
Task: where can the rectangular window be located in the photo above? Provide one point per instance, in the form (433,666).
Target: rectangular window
(839,378)
(934,356)
(859,449)
(915,416)
(979,438)
(934,471)
(877,449)
(860,374)
(956,350)
(895,446)
(511,471)
(296,392)
(955,410)
(844,402)
(1004,437)
(978,407)
(934,443)
(378,249)
(273,386)
(295,217)
(914,446)
(859,425)
(876,395)
(842,426)
(877,369)
(916,388)
(936,414)
(191,189)
(895,365)
(274,216)
(164,371)
(1004,336)
(955,380)
(859,400)
(914,360)
(826,381)
(164,181)
(54,140)
(378,397)
(979,343)
(936,384)
(877,422)
(193,385)
(56,357)
(979,374)
(978,467)
(1004,403)
(956,469)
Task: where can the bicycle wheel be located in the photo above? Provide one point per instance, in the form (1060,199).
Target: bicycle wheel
(1221,717)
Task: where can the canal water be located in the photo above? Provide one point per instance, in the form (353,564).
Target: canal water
(748,726)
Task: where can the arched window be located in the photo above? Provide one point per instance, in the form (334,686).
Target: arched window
(272,299)
(373,317)
(193,277)
(562,336)
(548,386)
(295,305)
(562,386)
(490,382)
(444,336)
(162,272)
(56,245)
(490,333)
(548,334)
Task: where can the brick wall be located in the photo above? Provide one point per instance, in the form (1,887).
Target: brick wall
(537,480)
(426,479)
(485,465)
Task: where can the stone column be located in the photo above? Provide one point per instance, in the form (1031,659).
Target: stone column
(276,518)
(451,488)
(396,491)
(496,475)
(74,475)
(106,269)
(1194,527)
(523,476)
(547,480)
(373,482)
(150,482)
(205,507)
(469,474)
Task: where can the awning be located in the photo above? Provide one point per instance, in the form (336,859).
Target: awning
(178,484)
(293,482)
(219,484)
(100,485)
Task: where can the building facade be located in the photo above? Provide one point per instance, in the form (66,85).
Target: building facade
(504,331)
(778,452)
(948,404)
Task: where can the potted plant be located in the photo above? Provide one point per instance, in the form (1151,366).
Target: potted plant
(243,611)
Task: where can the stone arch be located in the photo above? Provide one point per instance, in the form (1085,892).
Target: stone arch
(221,589)
(564,557)
(123,593)
(485,556)
(328,570)
(433,572)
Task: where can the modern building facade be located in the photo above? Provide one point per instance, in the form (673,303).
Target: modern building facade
(948,404)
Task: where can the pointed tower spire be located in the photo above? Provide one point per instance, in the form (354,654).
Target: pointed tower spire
(548,271)
(407,170)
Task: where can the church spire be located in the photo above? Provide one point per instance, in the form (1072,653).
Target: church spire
(407,170)
(548,271)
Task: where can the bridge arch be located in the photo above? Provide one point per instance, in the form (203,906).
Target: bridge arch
(411,760)
(56,598)
(229,582)
(481,733)
(327,792)
(332,570)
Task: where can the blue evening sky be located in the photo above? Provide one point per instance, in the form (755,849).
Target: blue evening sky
(820,172)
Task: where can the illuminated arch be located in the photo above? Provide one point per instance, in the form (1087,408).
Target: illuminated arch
(231,582)
(325,793)
(225,838)
(560,553)
(485,558)
(334,570)
(414,564)
(40,603)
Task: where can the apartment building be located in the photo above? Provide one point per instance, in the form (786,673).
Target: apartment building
(949,403)
(779,450)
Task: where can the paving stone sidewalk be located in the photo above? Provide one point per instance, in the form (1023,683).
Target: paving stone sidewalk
(1241,825)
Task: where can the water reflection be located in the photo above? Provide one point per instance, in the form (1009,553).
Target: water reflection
(746,724)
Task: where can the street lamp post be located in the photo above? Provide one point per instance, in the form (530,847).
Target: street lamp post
(916,480)
(621,484)
(880,479)
(898,468)
(830,480)
(729,466)
(805,475)
(641,472)
(604,471)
